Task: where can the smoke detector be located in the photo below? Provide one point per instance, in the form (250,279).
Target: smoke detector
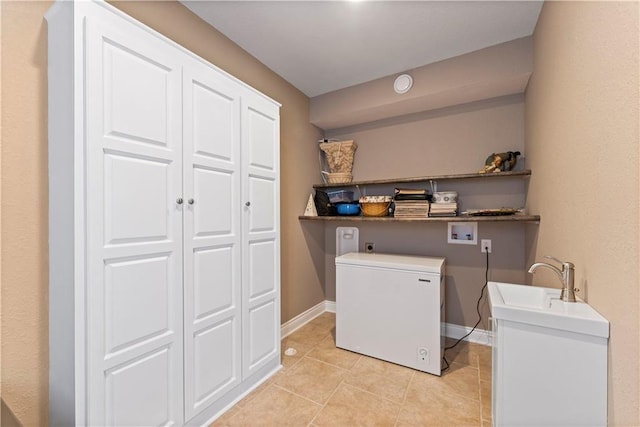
(403,83)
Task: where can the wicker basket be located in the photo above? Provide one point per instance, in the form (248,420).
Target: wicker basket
(339,155)
(338,178)
(375,208)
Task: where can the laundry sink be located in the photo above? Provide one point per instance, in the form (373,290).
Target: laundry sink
(542,306)
(549,359)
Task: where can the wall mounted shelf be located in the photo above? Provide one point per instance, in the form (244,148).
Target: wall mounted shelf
(459,218)
(524,174)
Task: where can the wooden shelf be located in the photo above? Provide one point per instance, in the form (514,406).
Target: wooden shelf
(524,173)
(459,218)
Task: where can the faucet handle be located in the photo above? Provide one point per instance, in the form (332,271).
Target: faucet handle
(554,259)
(565,264)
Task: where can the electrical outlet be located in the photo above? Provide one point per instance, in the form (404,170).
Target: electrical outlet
(485,243)
(369,247)
(423,355)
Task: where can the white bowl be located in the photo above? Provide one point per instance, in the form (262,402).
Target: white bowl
(445,196)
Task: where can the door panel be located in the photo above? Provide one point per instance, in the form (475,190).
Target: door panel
(213,214)
(135,82)
(262,193)
(263,337)
(132,287)
(134,226)
(215,262)
(212,227)
(137,393)
(136,198)
(261,242)
(262,271)
(207,345)
(213,111)
(261,128)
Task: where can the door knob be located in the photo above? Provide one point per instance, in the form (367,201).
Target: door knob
(247,204)
(179,200)
(191,201)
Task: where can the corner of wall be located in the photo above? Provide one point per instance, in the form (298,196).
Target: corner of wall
(583,102)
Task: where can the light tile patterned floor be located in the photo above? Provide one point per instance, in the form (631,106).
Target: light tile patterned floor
(326,386)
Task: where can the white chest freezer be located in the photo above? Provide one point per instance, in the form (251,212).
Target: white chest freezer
(391,307)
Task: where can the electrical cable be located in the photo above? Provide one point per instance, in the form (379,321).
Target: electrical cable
(486,282)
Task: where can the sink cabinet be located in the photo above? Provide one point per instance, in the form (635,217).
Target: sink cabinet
(547,377)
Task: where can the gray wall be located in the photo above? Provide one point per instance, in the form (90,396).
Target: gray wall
(448,141)
(465,264)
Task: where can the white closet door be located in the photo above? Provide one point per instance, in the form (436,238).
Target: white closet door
(134,226)
(212,232)
(261,242)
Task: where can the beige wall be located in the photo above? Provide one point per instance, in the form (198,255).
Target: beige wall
(447,141)
(24,213)
(499,70)
(0,206)
(24,186)
(582,144)
(1,401)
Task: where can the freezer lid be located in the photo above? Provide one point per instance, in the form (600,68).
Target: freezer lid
(397,262)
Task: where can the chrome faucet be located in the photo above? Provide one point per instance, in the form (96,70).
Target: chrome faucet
(566,275)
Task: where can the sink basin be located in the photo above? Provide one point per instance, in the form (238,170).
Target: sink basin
(542,306)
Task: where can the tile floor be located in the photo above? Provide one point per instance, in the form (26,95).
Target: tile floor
(326,386)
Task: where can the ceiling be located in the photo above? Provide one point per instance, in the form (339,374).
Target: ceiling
(323,46)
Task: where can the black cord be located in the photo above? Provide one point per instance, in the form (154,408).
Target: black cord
(486,282)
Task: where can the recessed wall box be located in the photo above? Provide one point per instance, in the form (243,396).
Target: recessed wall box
(462,233)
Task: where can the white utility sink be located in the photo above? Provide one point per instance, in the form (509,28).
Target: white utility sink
(542,306)
(549,359)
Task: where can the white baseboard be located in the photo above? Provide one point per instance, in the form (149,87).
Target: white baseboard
(330,306)
(479,336)
(302,319)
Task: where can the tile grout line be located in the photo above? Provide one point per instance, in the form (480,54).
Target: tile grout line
(372,394)
(313,347)
(404,398)
(325,404)
(290,368)
(326,363)
(480,392)
(295,394)
(344,382)
(301,397)
(331,364)
(230,418)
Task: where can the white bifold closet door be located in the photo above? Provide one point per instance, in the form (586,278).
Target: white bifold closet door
(261,243)
(212,236)
(134,227)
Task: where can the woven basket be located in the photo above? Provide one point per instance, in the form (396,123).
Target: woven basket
(375,208)
(339,178)
(339,155)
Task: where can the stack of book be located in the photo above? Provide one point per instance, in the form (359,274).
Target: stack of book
(443,209)
(411,203)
